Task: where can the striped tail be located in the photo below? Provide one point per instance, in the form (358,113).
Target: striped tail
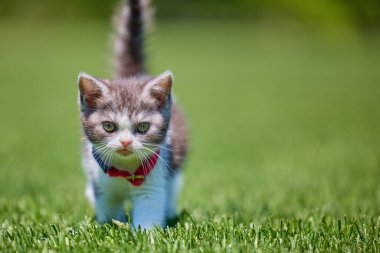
(129,38)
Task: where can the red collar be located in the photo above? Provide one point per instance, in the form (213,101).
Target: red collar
(138,177)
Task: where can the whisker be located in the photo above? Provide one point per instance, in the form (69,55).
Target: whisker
(138,156)
(162,159)
(154,145)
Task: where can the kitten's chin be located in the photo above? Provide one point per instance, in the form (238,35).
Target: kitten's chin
(128,162)
(125,155)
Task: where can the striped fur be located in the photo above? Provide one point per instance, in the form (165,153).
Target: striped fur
(130,26)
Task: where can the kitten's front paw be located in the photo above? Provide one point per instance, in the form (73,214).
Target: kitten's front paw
(104,218)
(148,225)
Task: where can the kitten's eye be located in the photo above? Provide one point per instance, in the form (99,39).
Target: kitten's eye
(109,127)
(142,127)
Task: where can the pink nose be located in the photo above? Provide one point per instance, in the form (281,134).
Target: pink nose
(125,143)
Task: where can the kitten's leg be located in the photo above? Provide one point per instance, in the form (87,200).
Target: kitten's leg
(108,205)
(149,202)
(108,208)
(174,187)
(149,209)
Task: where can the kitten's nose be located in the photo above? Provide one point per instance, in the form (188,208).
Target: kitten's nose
(125,143)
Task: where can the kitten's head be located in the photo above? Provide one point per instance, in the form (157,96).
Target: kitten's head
(125,119)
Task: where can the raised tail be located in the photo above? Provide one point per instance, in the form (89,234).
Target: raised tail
(129,38)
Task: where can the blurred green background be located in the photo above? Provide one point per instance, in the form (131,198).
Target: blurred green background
(282,98)
(360,13)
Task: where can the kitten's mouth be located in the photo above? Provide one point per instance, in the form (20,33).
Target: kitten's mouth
(124,152)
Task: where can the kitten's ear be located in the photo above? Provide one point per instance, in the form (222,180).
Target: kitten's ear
(90,89)
(160,87)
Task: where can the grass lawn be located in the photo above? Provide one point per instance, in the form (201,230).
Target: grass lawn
(285,130)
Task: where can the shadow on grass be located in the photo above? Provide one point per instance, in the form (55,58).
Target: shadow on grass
(184,215)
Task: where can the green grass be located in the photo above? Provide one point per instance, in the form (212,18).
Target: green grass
(285,140)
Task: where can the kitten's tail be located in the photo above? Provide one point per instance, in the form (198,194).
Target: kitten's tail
(130,24)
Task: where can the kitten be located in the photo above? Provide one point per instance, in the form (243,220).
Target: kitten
(135,137)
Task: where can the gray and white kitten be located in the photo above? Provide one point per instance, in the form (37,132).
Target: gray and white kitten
(125,122)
